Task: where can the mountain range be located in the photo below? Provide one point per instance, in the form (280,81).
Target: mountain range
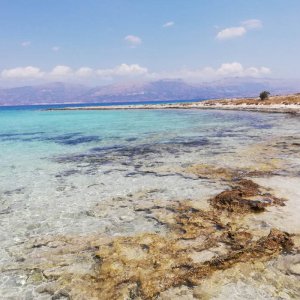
(60,93)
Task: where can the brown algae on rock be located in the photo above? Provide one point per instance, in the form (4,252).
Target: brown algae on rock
(165,263)
(245,196)
(198,243)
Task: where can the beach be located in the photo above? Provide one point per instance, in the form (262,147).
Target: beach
(275,104)
(149,150)
(106,203)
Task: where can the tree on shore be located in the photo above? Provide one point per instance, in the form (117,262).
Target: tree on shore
(264,95)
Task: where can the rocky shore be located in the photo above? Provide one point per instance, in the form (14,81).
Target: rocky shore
(275,104)
(202,250)
(197,247)
(208,216)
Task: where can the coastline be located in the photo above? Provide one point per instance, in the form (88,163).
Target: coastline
(206,216)
(275,104)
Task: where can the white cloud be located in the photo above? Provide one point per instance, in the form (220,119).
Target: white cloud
(133,40)
(236,69)
(230,68)
(255,72)
(55,48)
(233,69)
(66,72)
(123,70)
(265,70)
(130,71)
(169,24)
(252,24)
(26,44)
(84,72)
(133,69)
(239,31)
(231,32)
(22,72)
(61,71)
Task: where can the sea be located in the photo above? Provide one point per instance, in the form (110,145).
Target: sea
(57,166)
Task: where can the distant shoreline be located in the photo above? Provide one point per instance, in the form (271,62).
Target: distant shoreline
(275,104)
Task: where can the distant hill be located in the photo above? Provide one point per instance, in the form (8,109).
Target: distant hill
(54,93)
(41,94)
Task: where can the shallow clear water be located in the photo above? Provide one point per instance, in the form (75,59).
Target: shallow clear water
(45,156)
(56,166)
(30,140)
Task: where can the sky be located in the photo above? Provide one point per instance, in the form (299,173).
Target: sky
(103,41)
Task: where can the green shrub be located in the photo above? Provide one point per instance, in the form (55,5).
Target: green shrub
(264,95)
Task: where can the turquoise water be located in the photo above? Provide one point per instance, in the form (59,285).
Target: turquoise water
(56,166)
(38,147)
(30,139)
(33,141)
(55,132)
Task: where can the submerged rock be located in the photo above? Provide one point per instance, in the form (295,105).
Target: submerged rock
(245,196)
(142,266)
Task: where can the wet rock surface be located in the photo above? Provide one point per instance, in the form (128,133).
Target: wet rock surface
(196,244)
(245,196)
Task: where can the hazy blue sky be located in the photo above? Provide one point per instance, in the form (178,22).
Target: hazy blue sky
(101,40)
